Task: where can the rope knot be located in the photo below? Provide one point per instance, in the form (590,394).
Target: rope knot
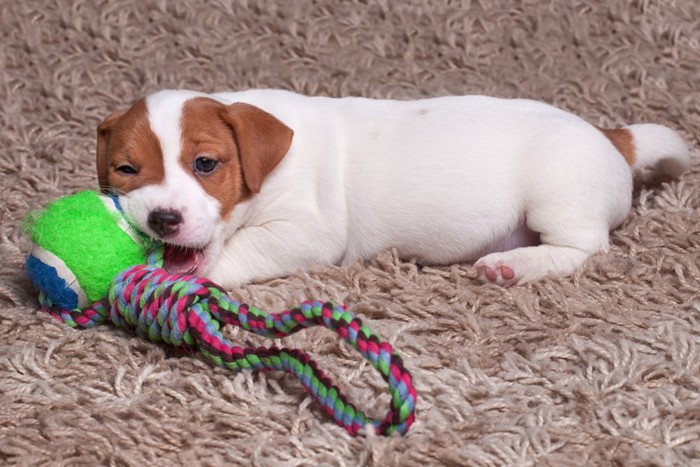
(156,304)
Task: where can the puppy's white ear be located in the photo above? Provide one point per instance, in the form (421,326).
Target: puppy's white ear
(104,131)
(262,141)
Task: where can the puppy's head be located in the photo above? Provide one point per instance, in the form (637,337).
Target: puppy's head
(181,162)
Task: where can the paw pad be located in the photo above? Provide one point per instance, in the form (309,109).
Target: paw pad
(499,274)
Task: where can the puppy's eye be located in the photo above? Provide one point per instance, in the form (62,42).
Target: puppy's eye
(127,170)
(205,165)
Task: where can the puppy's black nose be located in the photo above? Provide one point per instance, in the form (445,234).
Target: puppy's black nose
(164,222)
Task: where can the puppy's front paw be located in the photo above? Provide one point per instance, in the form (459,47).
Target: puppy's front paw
(492,269)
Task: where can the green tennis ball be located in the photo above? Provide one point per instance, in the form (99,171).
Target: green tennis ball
(81,242)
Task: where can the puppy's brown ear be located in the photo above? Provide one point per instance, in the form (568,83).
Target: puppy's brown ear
(104,132)
(262,141)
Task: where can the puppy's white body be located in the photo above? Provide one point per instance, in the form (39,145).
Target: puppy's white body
(444,180)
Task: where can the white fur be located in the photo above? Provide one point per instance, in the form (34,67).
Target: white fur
(445,180)
(659,147)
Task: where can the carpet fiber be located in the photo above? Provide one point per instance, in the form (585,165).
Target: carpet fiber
(599,368)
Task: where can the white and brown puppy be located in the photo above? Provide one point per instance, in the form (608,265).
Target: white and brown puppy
(259,184)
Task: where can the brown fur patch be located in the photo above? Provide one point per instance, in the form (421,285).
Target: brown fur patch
(206,134)
(246,141)
(622,139)
(126,138)
(262,141)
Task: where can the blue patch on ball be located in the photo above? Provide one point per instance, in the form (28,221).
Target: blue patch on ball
(51,284)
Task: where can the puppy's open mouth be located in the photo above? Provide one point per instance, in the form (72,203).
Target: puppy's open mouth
(182,260)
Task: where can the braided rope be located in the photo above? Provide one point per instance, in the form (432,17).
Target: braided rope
(187,312)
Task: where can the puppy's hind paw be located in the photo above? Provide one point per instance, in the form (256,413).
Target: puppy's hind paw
(497,273)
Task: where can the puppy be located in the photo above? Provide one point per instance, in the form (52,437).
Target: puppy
(248,186)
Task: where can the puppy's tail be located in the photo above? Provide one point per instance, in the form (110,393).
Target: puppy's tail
(651,146)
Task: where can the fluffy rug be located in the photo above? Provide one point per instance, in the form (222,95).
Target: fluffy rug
(599,368)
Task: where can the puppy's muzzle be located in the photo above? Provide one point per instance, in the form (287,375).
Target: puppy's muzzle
(165,222)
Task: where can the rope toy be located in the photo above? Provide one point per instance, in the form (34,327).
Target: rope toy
(188,312)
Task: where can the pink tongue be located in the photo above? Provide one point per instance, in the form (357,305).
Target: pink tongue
(181,260)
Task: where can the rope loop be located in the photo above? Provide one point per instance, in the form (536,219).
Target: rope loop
(188,312)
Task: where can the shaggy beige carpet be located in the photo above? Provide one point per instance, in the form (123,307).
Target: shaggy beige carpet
(597,369)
